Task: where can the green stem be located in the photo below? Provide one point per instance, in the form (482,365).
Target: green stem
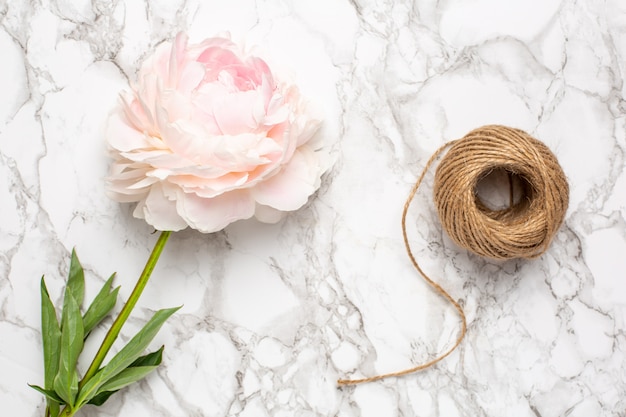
(114,331)
(67,412)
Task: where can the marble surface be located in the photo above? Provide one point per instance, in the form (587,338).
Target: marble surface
(274,315)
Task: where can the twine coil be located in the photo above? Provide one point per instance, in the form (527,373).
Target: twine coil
(524,229)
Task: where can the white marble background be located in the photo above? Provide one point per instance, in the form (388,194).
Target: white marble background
(273,315)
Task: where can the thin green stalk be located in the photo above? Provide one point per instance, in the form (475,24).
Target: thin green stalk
(127,309)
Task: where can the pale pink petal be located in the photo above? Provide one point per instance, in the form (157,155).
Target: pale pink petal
(306,127)
(176,166)
(143,183)
(120,183)
(122,136)
(159,211)
(175,105)
(218,56)
(150,156)
(184,138)
(213,214)
(113,193)
(218,41)
(148,95)
(276,111)
(205,100)
(268,214)
(191,77)
(158,62)
(291,187)
(260,72)
(210,187)
(216,62)
(234,113)
(134,112)
(177,57)
(120,191)
(207,120)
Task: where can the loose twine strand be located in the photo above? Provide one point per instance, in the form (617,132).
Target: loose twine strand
(522,230)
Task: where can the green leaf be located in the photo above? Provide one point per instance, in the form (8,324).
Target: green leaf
(51,335)
(66,381)
(126,377)
(126,356)
(101,398)
(152,359)
(138,343)
(76,279)
(50,394)
(100,306)
(53,409)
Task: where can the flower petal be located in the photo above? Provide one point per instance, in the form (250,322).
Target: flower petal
(191,77)
(177,58)
(122,136)
(210,215)
(159,211)
(235,113)
(290,189)
(120,183)
(268,214)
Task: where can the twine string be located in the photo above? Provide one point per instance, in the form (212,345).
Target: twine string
(522,230)
(429,280)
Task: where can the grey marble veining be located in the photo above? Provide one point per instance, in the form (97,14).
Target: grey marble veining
(274,314)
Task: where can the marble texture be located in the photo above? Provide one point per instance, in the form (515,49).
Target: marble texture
(273,315)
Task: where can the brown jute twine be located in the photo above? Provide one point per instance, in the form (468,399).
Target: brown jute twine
(524,229)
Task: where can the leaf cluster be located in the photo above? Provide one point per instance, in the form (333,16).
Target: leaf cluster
(63,341)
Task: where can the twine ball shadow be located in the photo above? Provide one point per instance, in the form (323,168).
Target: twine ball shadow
(525,228)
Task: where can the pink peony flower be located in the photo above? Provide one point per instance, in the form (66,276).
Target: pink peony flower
(209,136)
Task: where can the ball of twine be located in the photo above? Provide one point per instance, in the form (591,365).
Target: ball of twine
(525,228)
